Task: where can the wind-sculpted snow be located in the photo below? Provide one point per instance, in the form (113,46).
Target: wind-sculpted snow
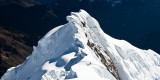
(80,50)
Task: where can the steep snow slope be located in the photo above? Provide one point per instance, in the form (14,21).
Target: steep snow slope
(80,50)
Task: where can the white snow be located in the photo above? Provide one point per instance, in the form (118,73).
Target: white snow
(80,50)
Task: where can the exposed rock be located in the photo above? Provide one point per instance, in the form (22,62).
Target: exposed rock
(105,60)
(13,49)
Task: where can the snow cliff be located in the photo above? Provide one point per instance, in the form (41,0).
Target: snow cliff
(80,50)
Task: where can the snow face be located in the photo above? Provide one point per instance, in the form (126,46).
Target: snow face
(80,50)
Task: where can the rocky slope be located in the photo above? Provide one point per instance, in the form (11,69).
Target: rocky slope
(14,48)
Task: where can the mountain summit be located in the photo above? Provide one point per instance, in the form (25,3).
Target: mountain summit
(80,50)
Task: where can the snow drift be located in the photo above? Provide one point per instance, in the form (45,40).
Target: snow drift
(80,50)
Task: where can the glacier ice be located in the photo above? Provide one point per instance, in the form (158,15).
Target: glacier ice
(80,50)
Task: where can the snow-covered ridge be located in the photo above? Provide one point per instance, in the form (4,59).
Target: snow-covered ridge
(80,50)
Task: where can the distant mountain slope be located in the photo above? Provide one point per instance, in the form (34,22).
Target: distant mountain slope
(80,50)
(14,48)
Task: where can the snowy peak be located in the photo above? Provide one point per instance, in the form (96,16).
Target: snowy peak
(80,50)
(63,53)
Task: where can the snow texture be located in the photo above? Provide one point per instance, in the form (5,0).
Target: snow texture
(80,50)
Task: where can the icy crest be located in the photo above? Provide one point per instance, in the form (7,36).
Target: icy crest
(80,50)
